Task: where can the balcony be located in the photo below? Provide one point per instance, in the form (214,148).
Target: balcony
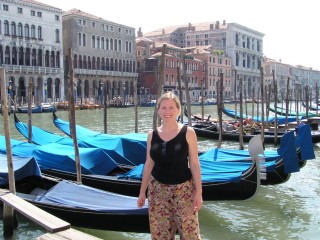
(32,69)
(92,72)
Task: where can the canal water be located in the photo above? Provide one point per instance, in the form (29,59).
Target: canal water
(285,211)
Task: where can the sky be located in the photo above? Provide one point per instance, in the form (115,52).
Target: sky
(291,29)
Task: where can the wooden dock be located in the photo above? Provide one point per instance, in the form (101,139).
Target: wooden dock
(57,228)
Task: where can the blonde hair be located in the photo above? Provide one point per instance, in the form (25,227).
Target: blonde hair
(171,96)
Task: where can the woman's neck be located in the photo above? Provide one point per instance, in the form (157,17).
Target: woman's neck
(170,126)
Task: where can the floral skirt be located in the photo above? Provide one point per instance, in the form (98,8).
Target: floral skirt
(171,209)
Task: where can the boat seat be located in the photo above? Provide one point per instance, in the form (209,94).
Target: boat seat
(38,191)
(27,196)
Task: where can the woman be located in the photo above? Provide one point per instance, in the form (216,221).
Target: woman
(173,176)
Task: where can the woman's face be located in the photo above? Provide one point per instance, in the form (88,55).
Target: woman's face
(168,109)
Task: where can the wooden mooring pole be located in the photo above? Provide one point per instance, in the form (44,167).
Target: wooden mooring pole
(220,106)
(160,82)
(9,216)
(72,117)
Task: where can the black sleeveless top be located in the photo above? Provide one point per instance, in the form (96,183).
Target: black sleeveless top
(171,163)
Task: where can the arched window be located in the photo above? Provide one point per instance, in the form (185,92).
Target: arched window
(79,39)
(111,44)
(34,57)
(124,65)
(20,31)
(103,64)
(7,56)
(40,57)
(119,45)
(98,64)
(58,60)
(47,59)
(80,61)
(75,61)
(107,43)
(21,56)
(27,58)
(84,62)
(102,42)
(107,64)
(84,40)
(93,41)
(13,29)
(127,70)
(39,33)
(26,31)
(98,42)
(89,62)
(115,45)
(111,64)
(33,31)
(6,28)
(116,64)
(14,56)
(237,59)
(57,36)
(93,63)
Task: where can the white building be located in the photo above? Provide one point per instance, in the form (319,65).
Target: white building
(31,49)
(299,78)
(243,45)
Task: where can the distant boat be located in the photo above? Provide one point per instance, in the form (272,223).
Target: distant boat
(282,112)
(271,119)
(48,107)
(80,205)
(152,103)
(313,106)
(34,108)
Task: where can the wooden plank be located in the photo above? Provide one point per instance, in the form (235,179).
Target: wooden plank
(68,234)
(44,219)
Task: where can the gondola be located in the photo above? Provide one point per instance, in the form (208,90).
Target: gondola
(221,180)
(48,107)
(282,112)
(89,136)
(34,109)
(206,128)
(80,205)
(278,169)
(271,119)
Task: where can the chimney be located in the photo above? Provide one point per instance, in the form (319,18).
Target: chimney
(189,26)
(163,31)
(211,26)
(224,22)
(217,24)
(140,34)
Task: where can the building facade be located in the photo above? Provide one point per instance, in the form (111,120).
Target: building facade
(103,53)
(299,78)
(31,50)
(245,48)
(217,62)
(174,60)
(243,45)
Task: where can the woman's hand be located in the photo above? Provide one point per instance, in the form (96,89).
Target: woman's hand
(197,202)
(141,200)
